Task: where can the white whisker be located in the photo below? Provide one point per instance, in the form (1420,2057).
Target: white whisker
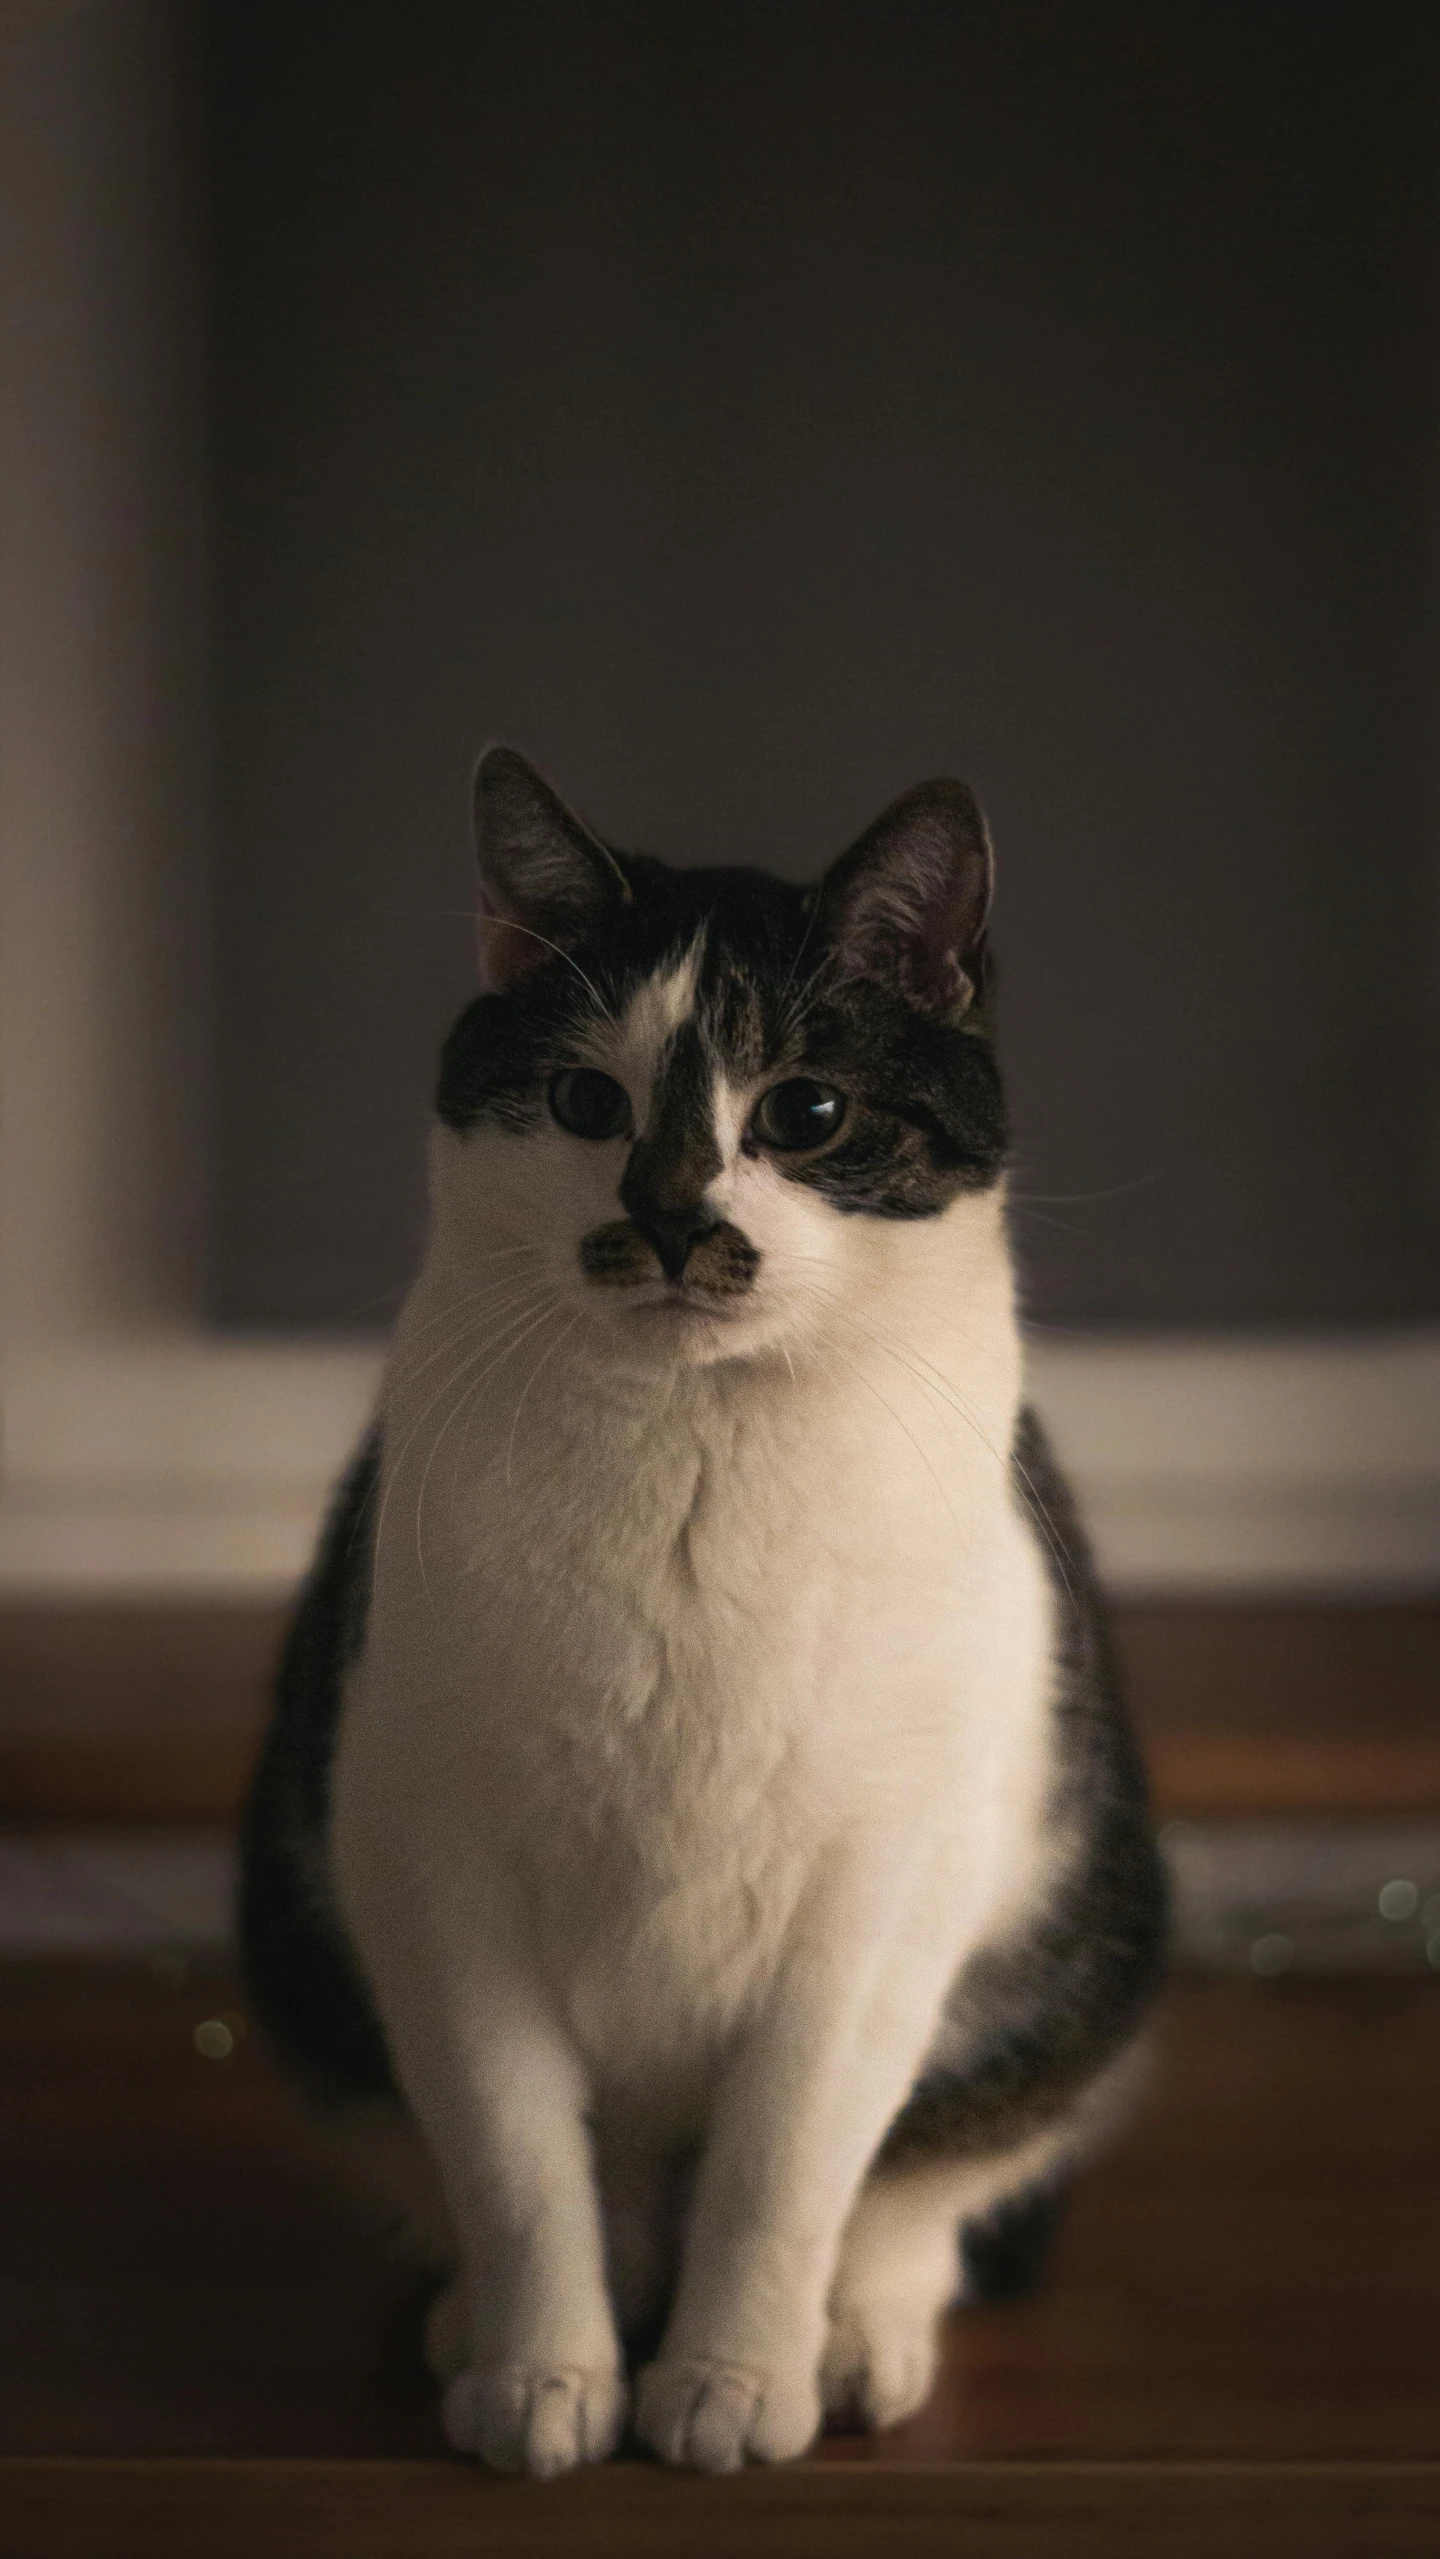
(525,1389)
(510,926)
(477,1351)
(940,1384)
(496,1301)
(521,1329)
(857,1371)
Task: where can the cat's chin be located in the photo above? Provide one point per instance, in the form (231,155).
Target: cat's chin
(684,1330)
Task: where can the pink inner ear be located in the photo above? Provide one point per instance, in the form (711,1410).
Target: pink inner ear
(506,949)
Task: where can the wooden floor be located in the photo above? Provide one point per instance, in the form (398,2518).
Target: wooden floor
(1239,2348)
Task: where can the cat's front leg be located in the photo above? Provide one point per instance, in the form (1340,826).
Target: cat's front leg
(800,2114)
(542,2385)
(536,2376)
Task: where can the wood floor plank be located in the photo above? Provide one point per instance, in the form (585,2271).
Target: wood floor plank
(419,2510)
(1253,2272)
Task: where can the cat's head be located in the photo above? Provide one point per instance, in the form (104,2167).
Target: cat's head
(693,1105)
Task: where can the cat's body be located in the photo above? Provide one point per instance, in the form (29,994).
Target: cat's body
(699,1799)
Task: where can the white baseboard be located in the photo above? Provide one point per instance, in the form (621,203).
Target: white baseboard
(1247,1465)
(196,1466)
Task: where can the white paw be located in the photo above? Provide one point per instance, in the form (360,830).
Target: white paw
(879,2363)
(535,2418)
(708,2415)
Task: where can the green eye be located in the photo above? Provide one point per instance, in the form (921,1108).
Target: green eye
(798,1114)
(590,1104)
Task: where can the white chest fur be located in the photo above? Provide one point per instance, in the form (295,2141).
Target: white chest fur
(632,1671)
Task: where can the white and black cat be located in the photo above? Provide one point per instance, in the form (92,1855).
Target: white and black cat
(700,1862)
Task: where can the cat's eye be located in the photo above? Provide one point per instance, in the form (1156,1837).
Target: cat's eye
(590,1104)
(797,1114)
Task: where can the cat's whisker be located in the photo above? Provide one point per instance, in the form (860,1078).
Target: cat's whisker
(506,1293)
(905,1354)
(950,1394)
(588,1322)
(946,1386)
(868,1382)
(1059,1225)
(469,1339)
(508,924)
(521,1329)
(807,997)
(792,971)
(494,1252)
(525,1389)
(466,1321)
(1082,1199)
(393,1472)
(947,1323)
(466,1297)
(462,1440)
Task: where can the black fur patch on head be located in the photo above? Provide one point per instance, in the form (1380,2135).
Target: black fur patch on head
(503,1050)
(671,1165)
(925,1116)
(927,1110)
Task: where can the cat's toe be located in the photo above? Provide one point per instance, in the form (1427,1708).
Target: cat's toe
(535,2419)
(879,2364)
(703,2414)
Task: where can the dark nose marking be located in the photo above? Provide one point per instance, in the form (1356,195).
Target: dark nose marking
(723,1262)
(717,1258)
(617,1255)
(670,1166)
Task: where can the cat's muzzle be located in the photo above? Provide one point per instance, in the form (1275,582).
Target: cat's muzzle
(712,1257)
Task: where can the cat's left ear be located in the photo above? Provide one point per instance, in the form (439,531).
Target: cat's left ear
(908,904)
(545,880)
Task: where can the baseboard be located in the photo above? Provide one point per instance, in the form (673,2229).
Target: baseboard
(197,1465)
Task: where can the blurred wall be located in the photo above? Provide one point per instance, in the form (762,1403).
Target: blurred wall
(104,780)
(752,409)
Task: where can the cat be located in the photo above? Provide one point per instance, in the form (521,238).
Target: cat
(699,1865)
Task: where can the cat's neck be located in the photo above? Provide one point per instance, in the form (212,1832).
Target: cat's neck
(927,1345)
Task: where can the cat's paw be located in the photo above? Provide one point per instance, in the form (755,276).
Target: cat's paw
(704,2414)
(879,2363)
(533,2418)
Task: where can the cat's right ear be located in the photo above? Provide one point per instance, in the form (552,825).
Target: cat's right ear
(545,880)
(908,905)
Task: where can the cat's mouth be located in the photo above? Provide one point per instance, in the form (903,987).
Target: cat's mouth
(678,1302)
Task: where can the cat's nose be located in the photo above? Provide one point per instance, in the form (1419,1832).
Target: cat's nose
(673,1233)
